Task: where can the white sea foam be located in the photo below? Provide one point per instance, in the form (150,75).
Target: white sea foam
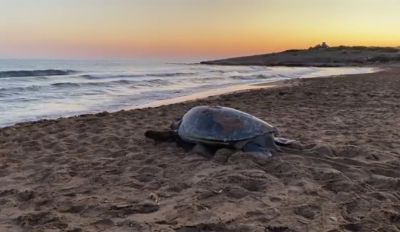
(32,90)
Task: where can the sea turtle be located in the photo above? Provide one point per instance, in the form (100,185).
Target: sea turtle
(213,127)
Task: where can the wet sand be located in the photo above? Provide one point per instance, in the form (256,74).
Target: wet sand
(99,173)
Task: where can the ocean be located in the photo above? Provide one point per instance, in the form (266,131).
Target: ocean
(31,90)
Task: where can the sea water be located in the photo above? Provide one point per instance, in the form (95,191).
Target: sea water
(46,89)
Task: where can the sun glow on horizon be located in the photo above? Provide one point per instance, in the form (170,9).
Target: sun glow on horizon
(208,28)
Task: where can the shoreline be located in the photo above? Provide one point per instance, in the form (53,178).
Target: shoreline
(213,93)
(232,89)
(241,88)
(98,172)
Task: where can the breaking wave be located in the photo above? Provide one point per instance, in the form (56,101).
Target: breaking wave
(35,73)
(252,77)
(65,85)
(174,74)
(153,82)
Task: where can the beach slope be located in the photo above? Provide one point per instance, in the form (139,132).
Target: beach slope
(99,173)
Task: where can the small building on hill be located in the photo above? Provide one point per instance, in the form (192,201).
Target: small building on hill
(323,45)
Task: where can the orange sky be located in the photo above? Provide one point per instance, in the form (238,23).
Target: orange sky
(190,28)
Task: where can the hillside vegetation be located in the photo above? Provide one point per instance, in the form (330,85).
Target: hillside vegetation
(320,55)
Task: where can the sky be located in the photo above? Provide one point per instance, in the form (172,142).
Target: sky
(189,28)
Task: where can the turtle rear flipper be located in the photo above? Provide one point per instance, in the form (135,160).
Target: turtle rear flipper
(162,136)
(168,136)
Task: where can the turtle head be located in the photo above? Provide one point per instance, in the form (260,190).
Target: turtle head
(275,131)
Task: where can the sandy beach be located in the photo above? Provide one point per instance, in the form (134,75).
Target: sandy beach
(99,172)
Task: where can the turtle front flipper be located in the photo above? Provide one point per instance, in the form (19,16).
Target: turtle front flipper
(283,141)
(263,143)
(254,147)
(288,144)
(203,150)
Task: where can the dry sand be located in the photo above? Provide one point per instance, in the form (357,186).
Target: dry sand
(99,173)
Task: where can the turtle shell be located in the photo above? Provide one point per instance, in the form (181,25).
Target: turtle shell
(220,125)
